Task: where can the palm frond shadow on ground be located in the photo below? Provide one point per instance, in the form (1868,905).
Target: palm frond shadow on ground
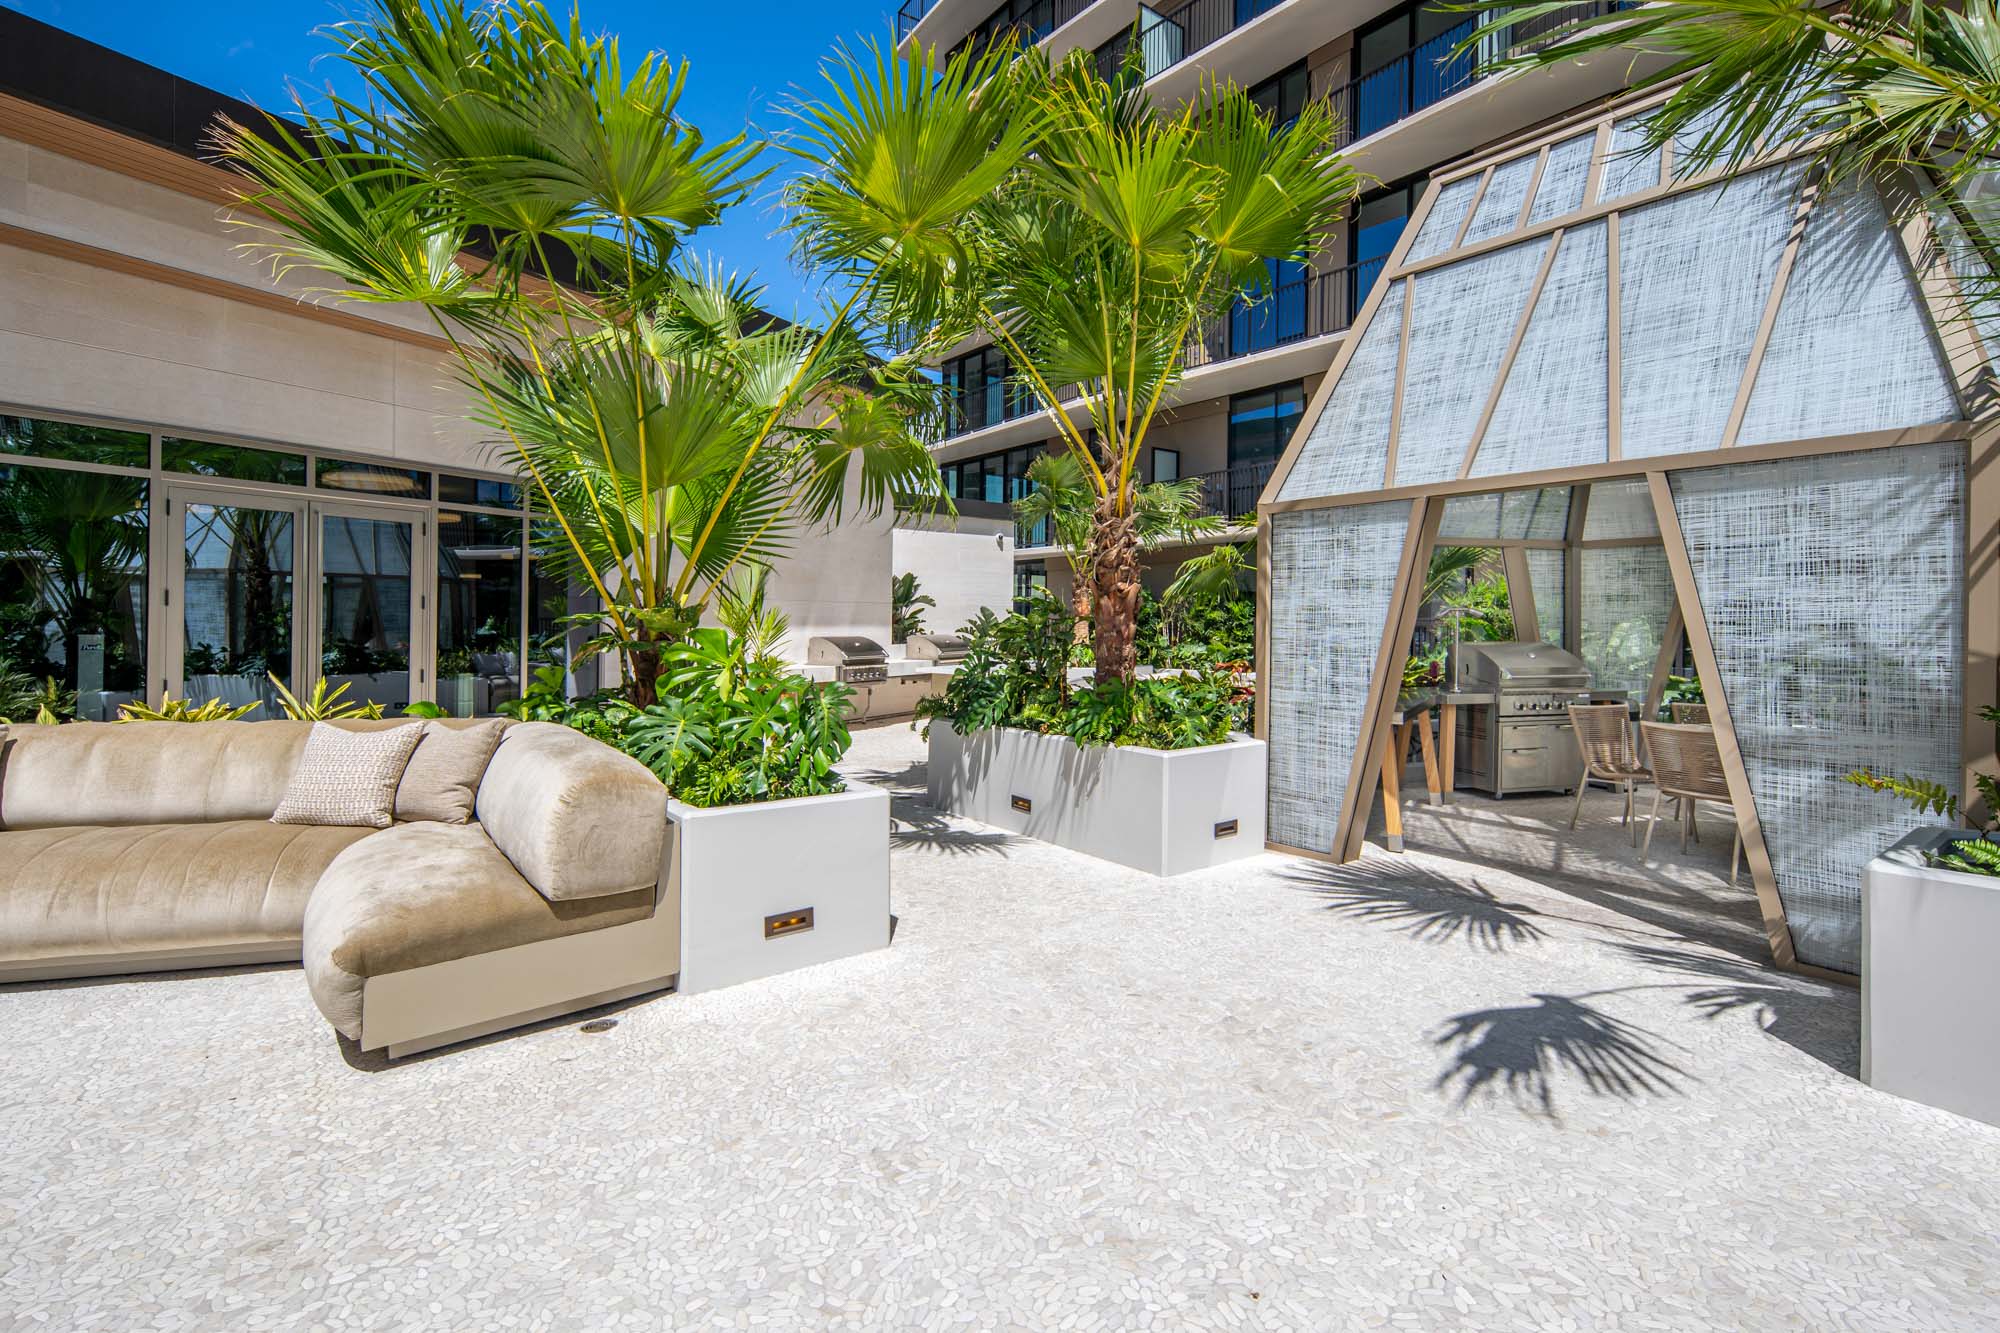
(1816,1017)
(1422,904)
(915,826)
(1522,1050)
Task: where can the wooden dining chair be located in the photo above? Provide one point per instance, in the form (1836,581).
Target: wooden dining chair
(1604,735)
(1687,764)
(1691,714)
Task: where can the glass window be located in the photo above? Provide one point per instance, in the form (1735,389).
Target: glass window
(478,612)
(73,583)
(1261,423)
(1283,95)
(341,474)
(237,603)
(205,459)
(1028,576)
(478,491)
(551,641)
(1166,465)
(76,444)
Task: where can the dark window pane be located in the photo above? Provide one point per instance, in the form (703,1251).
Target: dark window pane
(339,474)
(479,612)
(73,582)
(36,438)
(228,460)
(1261,423)
(237,610)
(478,491)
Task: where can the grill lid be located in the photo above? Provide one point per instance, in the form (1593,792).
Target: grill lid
(844,650)
(1526,665)
(938,647)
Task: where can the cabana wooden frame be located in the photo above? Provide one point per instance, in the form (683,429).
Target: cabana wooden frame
(1975,429)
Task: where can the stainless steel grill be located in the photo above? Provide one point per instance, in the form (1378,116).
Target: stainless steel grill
(944,648)
(1523,740)
(855,660)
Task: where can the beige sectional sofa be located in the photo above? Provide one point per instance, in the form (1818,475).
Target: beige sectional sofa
(143,846)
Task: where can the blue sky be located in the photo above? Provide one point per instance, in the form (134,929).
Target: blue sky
(744,57)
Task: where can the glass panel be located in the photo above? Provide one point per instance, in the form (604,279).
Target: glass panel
(1500,207)
(1166,465)
(1348,449)
(1694,274)
(1563,178)
(1631,167)
(236,604)
(1441,224)
(1555,408)
(1333,572)
(1620,509)
(76,444)
(205,459)
(479,491)
(1547,574)
(1851,349)
(1470,518)
(1541,515)
(1625,597)
(551,643)
(478,612)
(365,602)
(1832,587)
(1462,318)
(339,474)
(73,584)
(1261,423)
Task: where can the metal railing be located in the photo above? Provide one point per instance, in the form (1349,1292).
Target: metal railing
(1307,305)
(1172,37)
(1233,491)
(1030,25)
(910,15)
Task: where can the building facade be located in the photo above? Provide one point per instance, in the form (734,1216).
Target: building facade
(1408,107)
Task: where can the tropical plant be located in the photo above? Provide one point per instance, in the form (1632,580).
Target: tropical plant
(742,611)
(1216,575)
(512,177)
(321,705)
(20,693)
(54,703)
(423,708)
(1679,690)
(1929,797)
(1016,674)
(183,710)
(906,608)
(1084,230)
(1449,565)
(1870,85)
(1194,631)
(77,541)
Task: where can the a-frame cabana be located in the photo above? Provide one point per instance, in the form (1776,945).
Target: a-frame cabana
(1741,410)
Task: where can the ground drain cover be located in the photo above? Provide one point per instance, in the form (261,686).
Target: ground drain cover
(600,1025)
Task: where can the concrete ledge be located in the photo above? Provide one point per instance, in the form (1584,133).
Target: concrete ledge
(1162,811)
(1930,989)
(735,866)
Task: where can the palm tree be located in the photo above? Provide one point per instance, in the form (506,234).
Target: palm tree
(1874,86)
(508,175)
(1091,233)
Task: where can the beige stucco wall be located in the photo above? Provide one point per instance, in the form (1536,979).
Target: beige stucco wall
(963,568)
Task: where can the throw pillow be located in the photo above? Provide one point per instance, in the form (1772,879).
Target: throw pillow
(348,777)
(443,776)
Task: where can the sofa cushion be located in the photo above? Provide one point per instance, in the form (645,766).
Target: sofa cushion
(576,817)
(145,772)
(429,893)
(81,891)
(348,777)
(444,772)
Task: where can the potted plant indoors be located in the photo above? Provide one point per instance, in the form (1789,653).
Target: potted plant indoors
(1092,233)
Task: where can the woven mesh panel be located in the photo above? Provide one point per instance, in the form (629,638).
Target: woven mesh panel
(1694,272)
(1441,224)
(1851,349)
(1500,207)
(1348,448)
(1555,408)
(1546,576)
(1620,509)
(1832,589)
(1470,518)
(1631,167)
(1625,595)
(1563,178)
(1333,572)
(1461,321)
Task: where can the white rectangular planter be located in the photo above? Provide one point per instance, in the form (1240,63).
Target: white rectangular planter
(748,873)
(1162,811)
(1930,980)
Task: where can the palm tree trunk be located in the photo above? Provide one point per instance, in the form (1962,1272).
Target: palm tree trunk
(1114,562)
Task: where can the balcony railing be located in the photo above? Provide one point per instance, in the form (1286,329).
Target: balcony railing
(1172,37)
(1431,71)
(1027,23)
(910,15)
(1233,491)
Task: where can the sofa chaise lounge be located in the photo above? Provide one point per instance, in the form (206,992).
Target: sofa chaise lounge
(148,846)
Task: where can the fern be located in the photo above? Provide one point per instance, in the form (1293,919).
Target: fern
(1925,796)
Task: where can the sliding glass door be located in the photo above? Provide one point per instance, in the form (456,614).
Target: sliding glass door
(366,603)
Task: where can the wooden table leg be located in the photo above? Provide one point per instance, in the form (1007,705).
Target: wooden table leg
(1392,798)
(1430,755)
(1447,749)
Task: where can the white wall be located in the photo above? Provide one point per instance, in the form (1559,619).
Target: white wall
(963,569)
